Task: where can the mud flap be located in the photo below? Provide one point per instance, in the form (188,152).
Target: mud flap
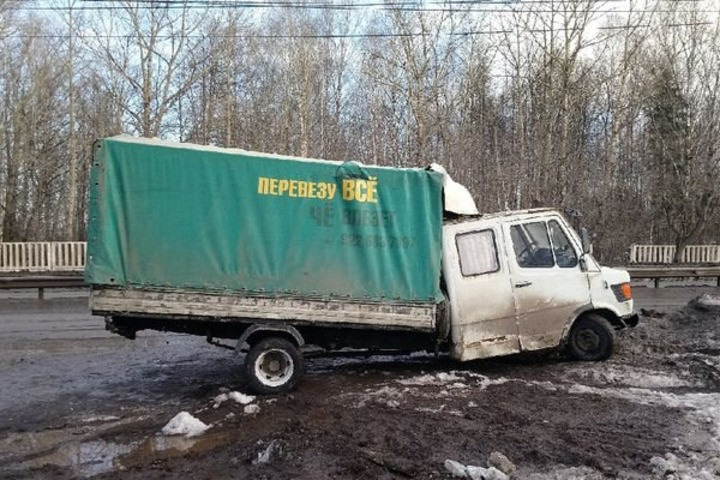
(121,330)
(631,321)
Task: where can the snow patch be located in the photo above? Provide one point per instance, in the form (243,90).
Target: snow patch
(421,354)
(636,377)
(418,380)
(241,398)
(710,302)
(430,379)
(431,410)
(458,385)
(100,418)
(572,473)
(703,408)
(452,379)
(386,395)
(489,382)
(480,473)
(440,409)
(673,466)
(237,397)
(265,455)
(185,424)
(456,469)
(251,409)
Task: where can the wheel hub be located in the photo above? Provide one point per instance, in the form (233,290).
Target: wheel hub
(274,367)
(588,340)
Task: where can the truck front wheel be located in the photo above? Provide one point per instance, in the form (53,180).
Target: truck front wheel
(591,339)
(274,365)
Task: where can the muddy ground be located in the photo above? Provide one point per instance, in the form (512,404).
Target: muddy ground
(77,402)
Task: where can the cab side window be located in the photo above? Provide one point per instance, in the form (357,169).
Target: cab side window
(477,253)
(565,254)
(532,245)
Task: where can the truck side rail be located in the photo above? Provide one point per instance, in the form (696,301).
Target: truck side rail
(220,306)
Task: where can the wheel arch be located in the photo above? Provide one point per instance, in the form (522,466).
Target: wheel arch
(256,332)
(606,313)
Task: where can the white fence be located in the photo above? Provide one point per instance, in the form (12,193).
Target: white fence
(666,253)
(71,256)
(42,256)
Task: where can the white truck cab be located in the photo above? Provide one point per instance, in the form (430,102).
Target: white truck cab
(524,280)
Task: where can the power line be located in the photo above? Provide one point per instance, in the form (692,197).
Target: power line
(449,6)
(365,3)
(359,35)
(417,10)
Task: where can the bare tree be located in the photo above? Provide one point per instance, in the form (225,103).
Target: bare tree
(154,59)
(554,103)
(684,125)
(32,134)
(414,78)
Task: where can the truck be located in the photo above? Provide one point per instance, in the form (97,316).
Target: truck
(277,255)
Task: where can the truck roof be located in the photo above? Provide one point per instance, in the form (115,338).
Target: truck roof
(530,212)
(125,138)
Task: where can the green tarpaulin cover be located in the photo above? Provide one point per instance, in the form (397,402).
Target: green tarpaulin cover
(173,215)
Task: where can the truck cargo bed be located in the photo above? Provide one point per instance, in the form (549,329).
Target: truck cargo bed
(201,306)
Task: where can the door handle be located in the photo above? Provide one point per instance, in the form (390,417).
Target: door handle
(523,284)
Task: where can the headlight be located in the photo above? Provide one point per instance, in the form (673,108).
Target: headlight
(622,291)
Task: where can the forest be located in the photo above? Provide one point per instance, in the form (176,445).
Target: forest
(607,110)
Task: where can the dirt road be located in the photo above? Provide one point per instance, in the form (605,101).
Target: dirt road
(77,402)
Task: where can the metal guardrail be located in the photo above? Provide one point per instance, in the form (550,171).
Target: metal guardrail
(41,282)
(656,273)
(42,265)
(75,280)
(664,254)
(42,256)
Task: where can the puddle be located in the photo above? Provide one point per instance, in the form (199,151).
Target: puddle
(160,447)
(95,457)
(85,459)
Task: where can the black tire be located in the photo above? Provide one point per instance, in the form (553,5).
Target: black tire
(274,365)
(591,339)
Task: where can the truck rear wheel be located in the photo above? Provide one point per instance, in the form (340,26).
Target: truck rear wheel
(591,339)
(274,365)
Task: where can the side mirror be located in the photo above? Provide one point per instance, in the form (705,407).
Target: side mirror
(583,264)
(585,239)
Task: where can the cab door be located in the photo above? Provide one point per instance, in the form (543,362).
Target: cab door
(547,281)
(483,322)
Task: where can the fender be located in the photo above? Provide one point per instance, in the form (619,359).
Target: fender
(570,321)
(610,307)
(260,327)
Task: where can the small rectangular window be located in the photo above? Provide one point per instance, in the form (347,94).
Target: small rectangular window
(477,253)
